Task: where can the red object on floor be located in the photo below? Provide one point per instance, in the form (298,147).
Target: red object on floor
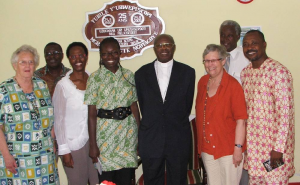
(294,183)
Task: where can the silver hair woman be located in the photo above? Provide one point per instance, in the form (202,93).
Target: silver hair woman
(27,49)
(215,48)
(220,113)
(26,123)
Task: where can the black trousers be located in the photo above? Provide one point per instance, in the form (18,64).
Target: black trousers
(120,177)
(175,167)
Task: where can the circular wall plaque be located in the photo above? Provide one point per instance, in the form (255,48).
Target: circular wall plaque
(133,25)
(245,1)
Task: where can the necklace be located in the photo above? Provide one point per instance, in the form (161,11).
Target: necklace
(31,99)
(204,110)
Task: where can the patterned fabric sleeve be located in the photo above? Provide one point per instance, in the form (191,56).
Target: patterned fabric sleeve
(91,93)
(2,113)
(134,93)
(284,101)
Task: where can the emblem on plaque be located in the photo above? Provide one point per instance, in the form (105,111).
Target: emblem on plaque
(133,25)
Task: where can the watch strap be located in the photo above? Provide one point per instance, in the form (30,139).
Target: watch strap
(238,145)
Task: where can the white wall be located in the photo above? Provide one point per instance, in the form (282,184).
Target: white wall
(193,24)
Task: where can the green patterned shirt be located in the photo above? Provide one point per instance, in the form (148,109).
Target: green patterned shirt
(116,139)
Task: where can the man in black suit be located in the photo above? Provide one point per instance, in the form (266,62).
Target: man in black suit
(165,91)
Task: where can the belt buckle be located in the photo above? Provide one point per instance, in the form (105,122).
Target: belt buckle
(120,112)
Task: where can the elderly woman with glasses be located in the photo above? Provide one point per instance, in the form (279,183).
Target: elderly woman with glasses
(71,115)
(220,115)
(26,123)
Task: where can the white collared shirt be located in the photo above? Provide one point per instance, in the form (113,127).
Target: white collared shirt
(163,74)
(70,116)
(237,63)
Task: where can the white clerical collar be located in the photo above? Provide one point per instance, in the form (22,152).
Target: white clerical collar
(166,64)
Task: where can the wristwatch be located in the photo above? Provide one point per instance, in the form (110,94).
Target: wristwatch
(238,145)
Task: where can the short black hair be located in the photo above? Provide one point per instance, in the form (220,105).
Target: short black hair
(52,43)
(164,35)
(262,36)
(109,40)
(73,44)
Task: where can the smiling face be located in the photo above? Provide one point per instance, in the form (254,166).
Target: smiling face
(110,56)
(162,48)
(254,48)
(215,66)
(53,56)
(25,66)
(228,37)
(78,58)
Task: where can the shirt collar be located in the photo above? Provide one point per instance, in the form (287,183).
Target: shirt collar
(265,63)
(47,69)
(167,64)
(234,52)
(105,70)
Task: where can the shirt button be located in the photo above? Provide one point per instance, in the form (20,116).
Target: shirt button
(210,134)
(208,123)
(214,146)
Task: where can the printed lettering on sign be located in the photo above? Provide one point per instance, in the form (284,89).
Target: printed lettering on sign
(133,25)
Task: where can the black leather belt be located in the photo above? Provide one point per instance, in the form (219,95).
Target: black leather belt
(119,113)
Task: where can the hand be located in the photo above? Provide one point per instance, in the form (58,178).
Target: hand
(55,146)
(276,157)
(94,153)
(237,156)
(68,160)
(10,164)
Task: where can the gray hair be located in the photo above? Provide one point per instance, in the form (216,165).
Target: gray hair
(28,49)
(163,35)
(236,25)
(214,47)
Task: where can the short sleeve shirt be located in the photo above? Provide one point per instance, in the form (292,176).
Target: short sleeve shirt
(25,134)
(116,139)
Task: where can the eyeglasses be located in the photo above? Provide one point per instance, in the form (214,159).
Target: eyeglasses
(114,54)
(25,63)
(166,45)
(213,61)
(80,56)
(54,53)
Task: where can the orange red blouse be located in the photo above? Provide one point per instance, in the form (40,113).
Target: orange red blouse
(222,111)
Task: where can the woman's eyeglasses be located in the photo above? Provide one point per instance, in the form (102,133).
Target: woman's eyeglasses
(25,63)
(213,61)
